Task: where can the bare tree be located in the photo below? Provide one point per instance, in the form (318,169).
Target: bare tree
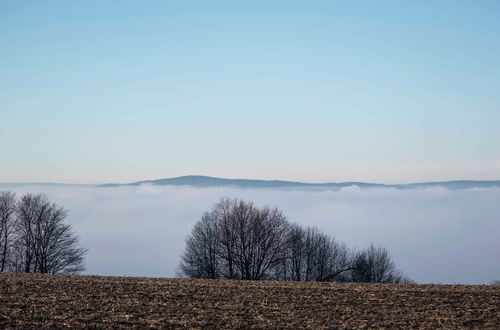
(375,264)
(228,238)
(236,240)
(260,245)
(7,209)
(295,263)
(199,259)
(44,243)
(314,256)
(27,216)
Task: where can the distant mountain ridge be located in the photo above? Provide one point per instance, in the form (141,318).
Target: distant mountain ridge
(207,181)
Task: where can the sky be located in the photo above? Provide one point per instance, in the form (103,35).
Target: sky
(317,91)
(434,235)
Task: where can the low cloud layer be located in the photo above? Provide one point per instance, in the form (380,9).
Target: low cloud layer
(435,235)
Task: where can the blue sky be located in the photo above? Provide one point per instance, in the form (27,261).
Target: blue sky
(116,91)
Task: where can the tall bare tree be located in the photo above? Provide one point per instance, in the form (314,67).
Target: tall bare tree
(236,240)
(7,209)
(200,259)
(228,238)
(44,243)
(261,237)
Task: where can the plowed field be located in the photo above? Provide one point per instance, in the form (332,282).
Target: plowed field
(35,301)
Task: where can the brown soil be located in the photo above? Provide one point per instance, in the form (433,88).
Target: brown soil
(35,301)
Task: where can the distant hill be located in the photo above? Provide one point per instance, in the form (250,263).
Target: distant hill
(207,181)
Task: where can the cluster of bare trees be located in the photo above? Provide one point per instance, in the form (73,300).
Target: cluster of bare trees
(238,240)
(34,237)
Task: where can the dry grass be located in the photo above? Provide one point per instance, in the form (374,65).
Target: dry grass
(35,301)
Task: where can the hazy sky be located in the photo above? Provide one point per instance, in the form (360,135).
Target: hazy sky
(435,235)
(116,91)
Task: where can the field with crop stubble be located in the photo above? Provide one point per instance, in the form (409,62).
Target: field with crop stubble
(34,301)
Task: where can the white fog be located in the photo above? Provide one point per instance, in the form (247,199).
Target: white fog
(435,235)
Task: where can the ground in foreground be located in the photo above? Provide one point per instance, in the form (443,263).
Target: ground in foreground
(34,301)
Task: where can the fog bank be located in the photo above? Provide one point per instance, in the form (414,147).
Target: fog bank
(435,235)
